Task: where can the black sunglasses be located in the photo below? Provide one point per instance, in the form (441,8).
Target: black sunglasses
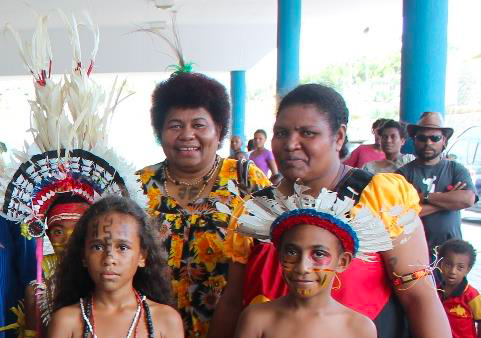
(424,138)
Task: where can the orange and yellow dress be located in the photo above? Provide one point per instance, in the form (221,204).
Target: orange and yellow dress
(194,241)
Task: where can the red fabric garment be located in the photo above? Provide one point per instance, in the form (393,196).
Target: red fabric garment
(364,287)
(263,274)
(461,312)
(363,154)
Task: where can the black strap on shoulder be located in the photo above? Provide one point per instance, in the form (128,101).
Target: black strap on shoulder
(355,179)
(243,175)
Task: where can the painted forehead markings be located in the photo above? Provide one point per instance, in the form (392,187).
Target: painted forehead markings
(107,228)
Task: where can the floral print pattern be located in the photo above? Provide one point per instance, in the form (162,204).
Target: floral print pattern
(194,240)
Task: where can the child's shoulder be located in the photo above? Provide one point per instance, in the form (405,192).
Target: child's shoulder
(67,319)
(255,318)
(264,312)
(165,318)
(357,322)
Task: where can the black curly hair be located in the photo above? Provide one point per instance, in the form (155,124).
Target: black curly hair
(460,247)
(190,90)
(325,99)
(394,124)
(261,131)
(72,280)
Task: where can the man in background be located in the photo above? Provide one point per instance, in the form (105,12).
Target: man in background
(368,152)
(393,135)
(444,186)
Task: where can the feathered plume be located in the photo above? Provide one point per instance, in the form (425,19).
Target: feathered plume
(68,144)
(174,44)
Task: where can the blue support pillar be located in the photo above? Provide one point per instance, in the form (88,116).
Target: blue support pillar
(423,60)
(288,37)
(238,96)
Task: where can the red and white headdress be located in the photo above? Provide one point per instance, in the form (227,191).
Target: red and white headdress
(69,121)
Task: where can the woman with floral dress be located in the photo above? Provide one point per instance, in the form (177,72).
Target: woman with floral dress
(190,116)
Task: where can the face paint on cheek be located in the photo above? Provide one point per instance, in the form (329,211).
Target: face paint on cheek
(58,247)
(287,266)
(318,262)
(324,277)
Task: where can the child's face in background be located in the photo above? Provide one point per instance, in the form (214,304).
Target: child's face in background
(454,267)
(112,251)
(235,143)
(310,256)
(59,233)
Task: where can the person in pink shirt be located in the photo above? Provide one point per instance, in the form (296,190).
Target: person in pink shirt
(368,152)
(261,156)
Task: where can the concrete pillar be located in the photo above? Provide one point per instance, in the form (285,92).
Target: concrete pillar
(288,38)
(238,97)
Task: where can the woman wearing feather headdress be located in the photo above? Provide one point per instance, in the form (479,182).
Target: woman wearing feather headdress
(309,133)
(68,166)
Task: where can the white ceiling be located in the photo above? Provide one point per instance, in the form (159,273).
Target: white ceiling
(133,12)
(215,34)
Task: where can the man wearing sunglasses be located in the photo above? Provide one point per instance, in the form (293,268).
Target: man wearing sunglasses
(444,186)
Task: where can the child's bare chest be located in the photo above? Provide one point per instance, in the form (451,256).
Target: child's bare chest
(121,325)
(308,328)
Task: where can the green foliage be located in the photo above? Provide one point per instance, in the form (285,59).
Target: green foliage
(375,82)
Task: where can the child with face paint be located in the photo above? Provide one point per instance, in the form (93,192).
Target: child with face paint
(315,239)
(61,218)
(112,269)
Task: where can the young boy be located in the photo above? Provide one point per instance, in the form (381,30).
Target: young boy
(314,240)
(235,145)
(461,301)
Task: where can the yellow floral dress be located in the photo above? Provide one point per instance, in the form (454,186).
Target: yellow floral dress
(194,241)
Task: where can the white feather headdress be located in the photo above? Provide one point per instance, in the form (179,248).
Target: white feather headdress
(70,150)
(267,218)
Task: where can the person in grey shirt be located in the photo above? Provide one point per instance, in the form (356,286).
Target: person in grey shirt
(444,186)
(393,135)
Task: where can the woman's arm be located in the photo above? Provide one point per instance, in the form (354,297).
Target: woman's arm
(272,166)
(30,307)
(426,315)
(229,307)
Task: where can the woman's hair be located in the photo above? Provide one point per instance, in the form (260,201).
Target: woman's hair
(190,90)
(459,246)
(394,124)
(250,145)
(261,131)
(325,99)
(73,281)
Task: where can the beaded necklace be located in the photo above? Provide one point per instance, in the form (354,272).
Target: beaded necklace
(142,305)
(205,178)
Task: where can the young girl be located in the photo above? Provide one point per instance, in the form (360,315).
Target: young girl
(111,282)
